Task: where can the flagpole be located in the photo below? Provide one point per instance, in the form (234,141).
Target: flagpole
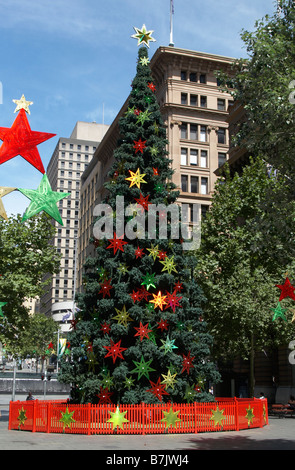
(171,23)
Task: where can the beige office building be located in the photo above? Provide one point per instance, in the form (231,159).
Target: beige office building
(69,160)
(195,114)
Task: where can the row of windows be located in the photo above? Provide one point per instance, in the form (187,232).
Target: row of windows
(194,184)
(78,147)
(199,132)
(77,155)
(193,76)
(196,157)
(195,100)
(69,165)
(69,174)
(190,214)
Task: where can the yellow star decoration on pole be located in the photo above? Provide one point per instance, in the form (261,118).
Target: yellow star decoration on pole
(118,418)
(21,416)
(123,316)
(169,379)
(3,191)
(22,104)
(217,416)
(143,36)
(67,418)
(136,178)
(249,415)
(159,300)
(171,418)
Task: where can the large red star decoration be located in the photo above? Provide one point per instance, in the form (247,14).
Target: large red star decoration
(158,389)
(139,145)
(187,362)
(117,243)
(139,252)
(287,290)
(104,396)
(172,301)
(143,201)
(115,350)
(163,325)
(21,140)
(142,331)
(105,288)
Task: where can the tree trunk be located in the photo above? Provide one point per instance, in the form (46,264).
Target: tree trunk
(252,375)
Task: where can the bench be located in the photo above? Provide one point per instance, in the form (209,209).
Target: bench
(281,410)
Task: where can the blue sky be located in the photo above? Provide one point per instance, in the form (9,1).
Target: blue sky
(74,58)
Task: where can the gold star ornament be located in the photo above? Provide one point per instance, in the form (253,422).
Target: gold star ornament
(136,178)
(171,418)
(118,418)
(22,104)
(217,416)
(143,36)
(3,191)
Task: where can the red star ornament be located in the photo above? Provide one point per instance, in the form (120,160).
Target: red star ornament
(152,87)
(287,290)
(142,331)
(104,396)
(139,145)
(139,252)
(117,243)
(143,201)
(178,286)
(172,301)
(105,288)
(105,328)
(163,325)
(21,140)
(136,296)
(187,363)
(115,350)
(158,389)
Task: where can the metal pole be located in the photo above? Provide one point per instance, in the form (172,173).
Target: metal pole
(14,377)
(171,23)
(57,350)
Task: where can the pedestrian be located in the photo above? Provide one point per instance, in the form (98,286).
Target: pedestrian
(261,396)
(30,396)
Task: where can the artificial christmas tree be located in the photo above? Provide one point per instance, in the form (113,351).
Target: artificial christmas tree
(139,334)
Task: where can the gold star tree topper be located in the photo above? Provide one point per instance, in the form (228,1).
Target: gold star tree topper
(22,104)
(143,36)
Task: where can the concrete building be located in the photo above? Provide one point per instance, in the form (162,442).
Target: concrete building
(195,114)
(69,160)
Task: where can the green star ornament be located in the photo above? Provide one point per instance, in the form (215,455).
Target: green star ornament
(118,418)
(171,418)
(249,415)
(169,265)
(21,417)
(148,281)
(279,312)
(43,199)
(2,305)
(142,368)
(67,418)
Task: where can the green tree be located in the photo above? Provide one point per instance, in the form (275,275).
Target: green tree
(26,257)
(166,348)
(263,86)
(237,272)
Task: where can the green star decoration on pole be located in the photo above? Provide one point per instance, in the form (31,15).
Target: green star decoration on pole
(67,418)
(171,418)
(118,418)
(43,199)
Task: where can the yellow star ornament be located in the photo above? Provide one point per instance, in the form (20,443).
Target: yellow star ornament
(3,191)
(118,418)
(159,300)
(143,36)
(22,416)
(217,416)
(171,418)
(249,415)
(136,178)
(22,104)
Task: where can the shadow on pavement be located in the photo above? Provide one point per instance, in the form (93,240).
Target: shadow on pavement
(240,443)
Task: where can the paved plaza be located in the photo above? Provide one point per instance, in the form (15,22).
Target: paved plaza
(278,435)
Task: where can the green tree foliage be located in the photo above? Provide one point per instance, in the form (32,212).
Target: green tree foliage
(238,270)
(263,85)
(26,257)
(174,353)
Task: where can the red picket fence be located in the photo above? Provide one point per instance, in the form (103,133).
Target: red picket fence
(225,414)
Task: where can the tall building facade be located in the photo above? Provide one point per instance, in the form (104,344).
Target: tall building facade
(69,160)
(195,114)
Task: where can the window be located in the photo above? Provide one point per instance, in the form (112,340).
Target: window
(221,136)
(221,159)
(184,183)
(194,184)
(193,132)
(183,131)
(204,159)
(193,77)
(193,156)
(183,75)
(203,78)
(220,104)
(193,213)
(193,100)
(203,134)
(183,98)
(183,157)
(204,185)
(203,101)
(204,210)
